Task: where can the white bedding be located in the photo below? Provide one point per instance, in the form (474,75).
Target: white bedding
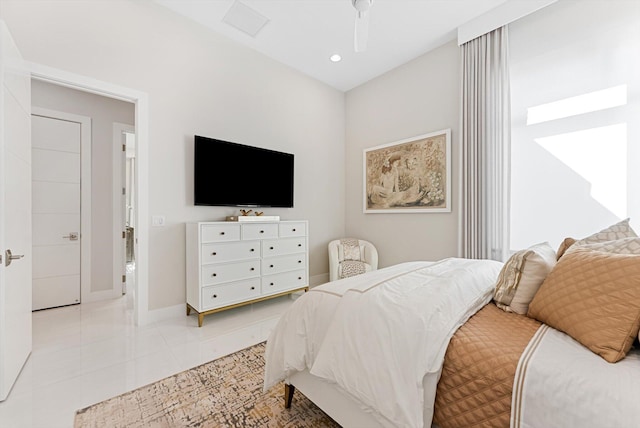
(560,383)
(379,334)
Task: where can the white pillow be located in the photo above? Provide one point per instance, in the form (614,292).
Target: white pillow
(521,277)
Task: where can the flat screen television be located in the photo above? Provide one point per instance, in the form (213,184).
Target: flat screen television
(238,175)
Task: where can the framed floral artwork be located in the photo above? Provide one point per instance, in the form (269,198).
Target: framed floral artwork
(409,176)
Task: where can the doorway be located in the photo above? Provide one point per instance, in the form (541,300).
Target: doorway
(140,101)
(124,203)
(61,160)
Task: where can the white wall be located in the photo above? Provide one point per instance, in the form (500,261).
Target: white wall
(103,113)
(577,173)
(419,97)
(197,83)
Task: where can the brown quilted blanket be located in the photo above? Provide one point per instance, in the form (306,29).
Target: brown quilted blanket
(479,367)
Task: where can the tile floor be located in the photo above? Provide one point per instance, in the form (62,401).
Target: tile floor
(87,353)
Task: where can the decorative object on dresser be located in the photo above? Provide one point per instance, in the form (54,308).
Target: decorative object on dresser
(261,218)
(234,264)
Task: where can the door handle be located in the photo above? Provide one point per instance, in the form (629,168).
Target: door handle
(8,257)
(72,236)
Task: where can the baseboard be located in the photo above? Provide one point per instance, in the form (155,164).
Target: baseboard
(97,296)
(169,312)
(318,279)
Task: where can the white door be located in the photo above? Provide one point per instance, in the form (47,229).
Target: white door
(56,211)
(123,155)
(15,213)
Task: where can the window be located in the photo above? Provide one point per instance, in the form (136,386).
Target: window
(575,88)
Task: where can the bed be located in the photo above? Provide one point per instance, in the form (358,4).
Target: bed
(423,344)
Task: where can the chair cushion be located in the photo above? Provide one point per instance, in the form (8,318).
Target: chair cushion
(350,249)
(349,268)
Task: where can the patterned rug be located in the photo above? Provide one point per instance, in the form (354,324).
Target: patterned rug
(223,393)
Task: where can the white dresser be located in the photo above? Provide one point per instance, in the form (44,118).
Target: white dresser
(230,264)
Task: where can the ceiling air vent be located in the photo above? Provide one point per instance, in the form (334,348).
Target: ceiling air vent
(245,19)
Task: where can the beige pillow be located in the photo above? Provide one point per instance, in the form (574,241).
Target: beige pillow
(620,230)
(521,276)
(618,246)
(594,297)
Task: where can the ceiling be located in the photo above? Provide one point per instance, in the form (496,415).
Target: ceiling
(304,33)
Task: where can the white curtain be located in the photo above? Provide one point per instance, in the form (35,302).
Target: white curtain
(485,147)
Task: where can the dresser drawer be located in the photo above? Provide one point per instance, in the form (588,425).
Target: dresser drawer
(293,228)
(227,294)
(219,232)
(279,247)
(230,251)
(259,231)
(284,263)
(283,281)
(227,272)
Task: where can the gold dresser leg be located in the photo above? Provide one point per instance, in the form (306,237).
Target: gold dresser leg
(188,310)
(200,318)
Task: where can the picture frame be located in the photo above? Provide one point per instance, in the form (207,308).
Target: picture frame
(409,176)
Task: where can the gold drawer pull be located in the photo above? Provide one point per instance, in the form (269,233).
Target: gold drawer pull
(214,274)
(293,230)
(214,253)
(271,248)
(221,233)
(253,268)
(299,261)
(271,283)
(299,277)
(262,231)
(253,288)
(252,250)
(215,296)
(270,266)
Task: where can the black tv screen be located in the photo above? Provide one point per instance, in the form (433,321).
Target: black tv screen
(237,175)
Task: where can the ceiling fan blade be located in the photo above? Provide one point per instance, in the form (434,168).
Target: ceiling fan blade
(361,33)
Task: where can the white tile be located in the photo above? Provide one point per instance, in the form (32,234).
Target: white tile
(84,354)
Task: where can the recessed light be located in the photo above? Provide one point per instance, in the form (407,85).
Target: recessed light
(335,58)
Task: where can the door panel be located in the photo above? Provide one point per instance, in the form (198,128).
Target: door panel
(55,134)
(47,228)
(50,165)
(15,212)
(56,212)
(55,260)
(56,197)
(55,291)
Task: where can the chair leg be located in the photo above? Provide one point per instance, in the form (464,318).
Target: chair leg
(288,395)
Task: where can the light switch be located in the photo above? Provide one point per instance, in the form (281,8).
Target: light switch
(157,220)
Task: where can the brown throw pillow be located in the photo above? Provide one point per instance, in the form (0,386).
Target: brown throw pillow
(594,297)
(564,246)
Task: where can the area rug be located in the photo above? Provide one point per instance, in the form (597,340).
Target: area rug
(226,392)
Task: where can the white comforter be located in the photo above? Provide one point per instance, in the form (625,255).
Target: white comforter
(560,383)
(379,334)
